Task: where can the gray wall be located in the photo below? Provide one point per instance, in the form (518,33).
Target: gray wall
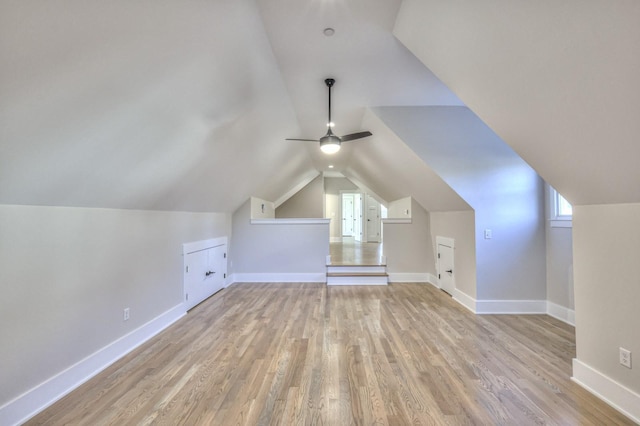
(281,248)
(461,227)
(606,249)
(408,245)
(506,194)
(306,203)
(67,274)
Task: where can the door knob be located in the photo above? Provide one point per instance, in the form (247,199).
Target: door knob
(450,271)
(206,274)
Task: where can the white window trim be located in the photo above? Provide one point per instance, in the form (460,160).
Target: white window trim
(556,220)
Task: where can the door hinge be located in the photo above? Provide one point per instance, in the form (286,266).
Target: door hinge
(438,276)
(187,296)
(225,255)
(438,255)
(225,275)
(187,269)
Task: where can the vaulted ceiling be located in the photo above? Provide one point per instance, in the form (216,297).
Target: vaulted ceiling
(174,105)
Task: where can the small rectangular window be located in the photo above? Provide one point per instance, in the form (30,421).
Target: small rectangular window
(561,210)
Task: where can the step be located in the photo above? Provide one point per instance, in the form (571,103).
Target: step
(375,278)
(356,269)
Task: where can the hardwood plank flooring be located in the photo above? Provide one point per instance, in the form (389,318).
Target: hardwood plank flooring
(308,354)
(351,252)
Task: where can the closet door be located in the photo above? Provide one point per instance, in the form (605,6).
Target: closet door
(196,281)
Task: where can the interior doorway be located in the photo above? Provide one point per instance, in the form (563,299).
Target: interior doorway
(361,217)
(351,211)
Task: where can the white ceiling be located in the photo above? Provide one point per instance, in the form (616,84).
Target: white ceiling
(176,105)
(370,66)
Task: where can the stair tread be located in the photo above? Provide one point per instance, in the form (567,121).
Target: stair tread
(357,274)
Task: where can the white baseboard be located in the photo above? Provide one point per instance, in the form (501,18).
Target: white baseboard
(465,300)
(315,277)
(511,306)
(409,277)
(562,313)
(42,396)
(335,239)
(618,396)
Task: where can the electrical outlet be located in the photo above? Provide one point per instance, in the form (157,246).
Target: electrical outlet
(126,314)
(625,357)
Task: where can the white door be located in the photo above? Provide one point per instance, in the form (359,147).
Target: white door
(347,215)
(446,277)
(357,216)
(205,273)
(195,278)
(373,220)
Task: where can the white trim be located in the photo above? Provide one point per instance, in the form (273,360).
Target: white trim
(356,269)
(291,221)
(294,190)
(203,245)
(562,313)
(409,277)
(465,300)
(46,393)
(395,220)
(433,280)
(618,396)
(511,306)
(335,239)
(358,280)
(561,223)
(301,277)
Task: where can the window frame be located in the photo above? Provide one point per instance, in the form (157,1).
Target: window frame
(558,220)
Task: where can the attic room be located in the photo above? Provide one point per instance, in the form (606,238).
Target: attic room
(131,133)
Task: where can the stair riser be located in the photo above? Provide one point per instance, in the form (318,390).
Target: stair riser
(356,269)
(363,280)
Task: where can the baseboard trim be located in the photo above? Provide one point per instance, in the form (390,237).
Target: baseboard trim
(315,277)
(45,394)
(465,300)
(618,396)
(511,306)
(408,277)
(562,313)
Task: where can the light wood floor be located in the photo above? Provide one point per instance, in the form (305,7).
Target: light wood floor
(351,252)
(286,354)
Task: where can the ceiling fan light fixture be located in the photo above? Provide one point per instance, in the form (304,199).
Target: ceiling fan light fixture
(330,144)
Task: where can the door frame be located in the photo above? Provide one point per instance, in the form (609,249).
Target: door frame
(357,221)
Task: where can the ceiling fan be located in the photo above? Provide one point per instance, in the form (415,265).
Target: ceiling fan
(330,143)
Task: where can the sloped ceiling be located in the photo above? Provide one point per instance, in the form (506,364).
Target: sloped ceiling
(165,105)
(186,105)
(394,171)
(558,81)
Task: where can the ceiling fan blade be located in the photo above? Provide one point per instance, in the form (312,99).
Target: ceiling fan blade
(353,136)
(305,140)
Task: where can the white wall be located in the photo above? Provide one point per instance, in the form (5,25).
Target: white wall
(459,226)
(277,251)
(262,209)
(67,274)
(308,202)
(408,247)
(606,245)
(400,209)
